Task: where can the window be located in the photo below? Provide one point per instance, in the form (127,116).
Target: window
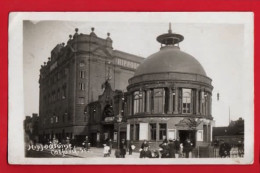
(51,120)
(138,102)
(82,74)
(137,132)
(56,119)
(82,86)
(58,94)
(162,130)
(131,132)
(203,102)
(153,131)
(64,91)
(158,100)
(186,101)
(81,100)
(81,64)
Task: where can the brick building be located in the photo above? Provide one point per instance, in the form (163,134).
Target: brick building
(73,76)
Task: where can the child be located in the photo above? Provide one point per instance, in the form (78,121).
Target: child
(106,150)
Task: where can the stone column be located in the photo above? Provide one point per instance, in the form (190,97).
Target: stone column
(210,102)
(170,101)
(176,97)
(200,102)
(148,101)
(130,104)
(143,100)
(197,102)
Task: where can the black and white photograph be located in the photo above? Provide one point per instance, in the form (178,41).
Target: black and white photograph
(131,88)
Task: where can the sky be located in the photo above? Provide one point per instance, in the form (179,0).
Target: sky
(219,47)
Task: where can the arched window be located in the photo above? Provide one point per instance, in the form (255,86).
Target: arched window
(138,102)
(158,100)
(186,101)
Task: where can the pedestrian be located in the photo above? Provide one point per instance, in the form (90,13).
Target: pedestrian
(146,153)
(86,144)
(122,148)
(145,144)
(224,149)
(131,147)
(172,149)
(117,153)
(187,148)
(110,144)
(106,150)
(177,148)
(240,147)
(181,150)
(164,149)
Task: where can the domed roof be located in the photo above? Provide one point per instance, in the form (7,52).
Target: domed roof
(170,59)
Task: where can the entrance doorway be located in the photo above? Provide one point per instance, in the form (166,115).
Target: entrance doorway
(187,134)
(108,131)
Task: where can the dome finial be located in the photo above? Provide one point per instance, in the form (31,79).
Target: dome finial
(170,28)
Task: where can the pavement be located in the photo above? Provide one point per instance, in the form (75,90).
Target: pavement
(98,152)
(80,152)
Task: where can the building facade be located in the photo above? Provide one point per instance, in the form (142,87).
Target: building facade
(169,97)
(232,134)
(31,129)
(75,75)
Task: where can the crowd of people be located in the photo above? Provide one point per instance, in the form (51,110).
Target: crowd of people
(167,149)
(171,148)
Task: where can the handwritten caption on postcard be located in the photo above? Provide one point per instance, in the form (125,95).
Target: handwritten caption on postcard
(57,149)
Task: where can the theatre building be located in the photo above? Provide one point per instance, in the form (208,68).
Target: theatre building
(169,96)
(73,77)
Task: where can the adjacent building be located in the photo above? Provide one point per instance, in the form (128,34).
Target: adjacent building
(75,75)
(232,134)
(31,128)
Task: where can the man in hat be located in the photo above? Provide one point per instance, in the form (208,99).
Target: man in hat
(171,149)
(85,143)
(122,148)
(164,149)
(145,153)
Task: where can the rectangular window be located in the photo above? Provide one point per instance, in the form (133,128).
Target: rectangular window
(137,127)
(58,94)
(81,100)
(131,132)
(186,101)
(82,86)
(158,100)
(64,91)
(51,120)
(56,119)
(153,131)
(82,74)
(162,130)
(203,103)
(138,102)
(205,133)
